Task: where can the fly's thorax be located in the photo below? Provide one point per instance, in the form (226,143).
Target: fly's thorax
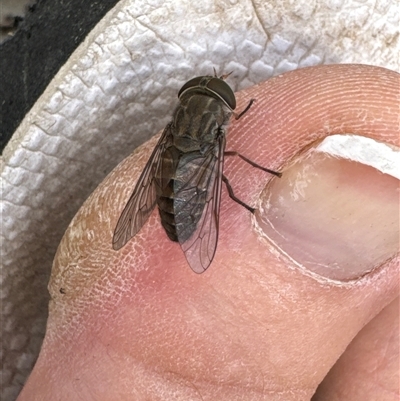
(199,119)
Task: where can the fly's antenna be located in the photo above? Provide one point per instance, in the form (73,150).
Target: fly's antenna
(223,76)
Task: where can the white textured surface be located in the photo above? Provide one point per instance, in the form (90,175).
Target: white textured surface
(119,88)
(364,150)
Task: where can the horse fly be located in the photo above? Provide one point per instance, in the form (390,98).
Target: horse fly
(185,172)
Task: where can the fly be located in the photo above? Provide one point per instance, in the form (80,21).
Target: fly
(184,174)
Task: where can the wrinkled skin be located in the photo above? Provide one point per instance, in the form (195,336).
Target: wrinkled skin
(138,324)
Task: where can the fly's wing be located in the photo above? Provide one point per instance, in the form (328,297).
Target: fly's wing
(143,199)
(200,247)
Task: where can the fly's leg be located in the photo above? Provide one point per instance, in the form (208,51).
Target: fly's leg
(237,116)
(233,153)
(232,195)
(228,185)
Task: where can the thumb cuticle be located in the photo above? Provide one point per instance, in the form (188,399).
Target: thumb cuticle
(335,215)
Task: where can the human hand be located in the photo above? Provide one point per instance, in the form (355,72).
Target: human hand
(138,324)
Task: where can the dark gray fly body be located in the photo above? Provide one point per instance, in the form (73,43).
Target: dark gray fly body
(185,172)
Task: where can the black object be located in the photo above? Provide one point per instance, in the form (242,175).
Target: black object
(50,32)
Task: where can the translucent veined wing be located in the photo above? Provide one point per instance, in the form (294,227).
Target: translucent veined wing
(200,247)
(143,199)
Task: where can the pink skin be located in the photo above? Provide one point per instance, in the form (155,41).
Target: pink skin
(138,324)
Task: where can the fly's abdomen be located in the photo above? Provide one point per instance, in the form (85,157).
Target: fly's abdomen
(165,202)
(181,197)
(179,214)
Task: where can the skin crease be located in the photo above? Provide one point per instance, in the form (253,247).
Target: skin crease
(138,324)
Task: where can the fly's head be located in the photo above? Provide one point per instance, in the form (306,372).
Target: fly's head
(211,86)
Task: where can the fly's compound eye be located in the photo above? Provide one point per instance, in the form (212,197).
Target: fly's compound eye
(223,91)
(212,86)
(194,83)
